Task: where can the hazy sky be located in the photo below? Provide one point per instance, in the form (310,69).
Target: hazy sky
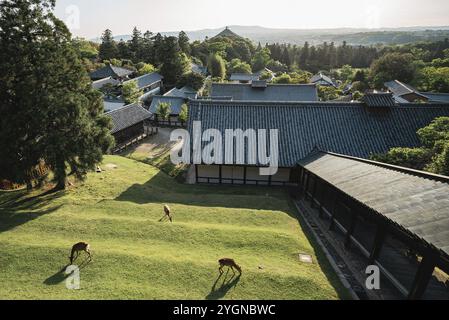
(88,18)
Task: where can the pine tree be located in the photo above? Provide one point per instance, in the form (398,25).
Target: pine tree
(49,112)
(183,41)
(108,47)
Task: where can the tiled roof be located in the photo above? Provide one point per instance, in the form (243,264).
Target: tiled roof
(146,80)
(196,68)
(127,116)
(273,92)
(414,200)
(227,33)
(184,92)
(244,77)
(380,100)
(347,128)
(102,82)
(321,77)
(110,71)
(111,104)
(436,97)
(175,103)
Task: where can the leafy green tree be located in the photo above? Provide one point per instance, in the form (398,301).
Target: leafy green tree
(108,48)
(163,110)
(432,156)
(184,113)
(49,111)
(328,93)
(191,79)
(144,68)
(131,92)
(261,59)
(283,79)
(85,49)
(238,66)
(393,66)
(217,66)
(434,79)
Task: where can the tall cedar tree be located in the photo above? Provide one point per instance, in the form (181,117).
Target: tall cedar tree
(108,47)
(49,110)
(173,63)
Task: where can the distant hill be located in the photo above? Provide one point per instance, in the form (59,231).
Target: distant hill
(353,36)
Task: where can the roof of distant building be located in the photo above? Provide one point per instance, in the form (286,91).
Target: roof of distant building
(146,80)
(272,92)
(111,71)
(127,116)
(175,103)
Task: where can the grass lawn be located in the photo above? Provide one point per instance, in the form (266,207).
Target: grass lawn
(137,257)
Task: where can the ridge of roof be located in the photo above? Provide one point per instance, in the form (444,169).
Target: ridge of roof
(414,172)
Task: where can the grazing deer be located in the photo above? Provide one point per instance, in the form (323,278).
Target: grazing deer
(80,246)
(167,213)
(229,263)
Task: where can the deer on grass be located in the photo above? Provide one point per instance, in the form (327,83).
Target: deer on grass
(228,263)
(80,246)
(167,214)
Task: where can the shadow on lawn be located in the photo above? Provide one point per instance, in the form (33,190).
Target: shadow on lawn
(20,208)
(226,285)
(61,275)
(163,189)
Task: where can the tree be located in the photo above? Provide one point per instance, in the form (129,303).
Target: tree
(192,79)
(238,66)
(183,41)
(217,66)
(131,92)
(144,68)
(108,48)
(432,156)
(50,113)
(163,110)
(261,59)
(283,79)
(184,113)
(174,62)
(393,66)
(135,45)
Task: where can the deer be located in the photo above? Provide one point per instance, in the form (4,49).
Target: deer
(76,248)
(229,263)
(167,213)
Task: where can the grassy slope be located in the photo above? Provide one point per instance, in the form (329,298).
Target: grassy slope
(135,256)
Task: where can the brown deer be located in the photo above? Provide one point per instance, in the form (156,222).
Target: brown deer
(80,246)
(228,263)
(167,213)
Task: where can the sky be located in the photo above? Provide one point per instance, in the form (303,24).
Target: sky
(88,18)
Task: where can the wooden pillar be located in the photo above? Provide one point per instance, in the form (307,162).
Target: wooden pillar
(306,183)
(379,240)
(333,213)
(423,275)
(270,177)
(351,229)
(196,173)
(220,175)
(315,182)
(244,175)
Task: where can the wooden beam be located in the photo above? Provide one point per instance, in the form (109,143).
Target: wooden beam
(315,181)
(333,213)
(244,174)
(351,228)
(220,174)
(423,275)
(379,239)
(196,173)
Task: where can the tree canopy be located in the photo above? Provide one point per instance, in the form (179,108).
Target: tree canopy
(49,111)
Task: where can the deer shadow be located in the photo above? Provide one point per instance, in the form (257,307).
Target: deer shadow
(227,284)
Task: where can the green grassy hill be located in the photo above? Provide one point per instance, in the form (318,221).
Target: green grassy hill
(137,257)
